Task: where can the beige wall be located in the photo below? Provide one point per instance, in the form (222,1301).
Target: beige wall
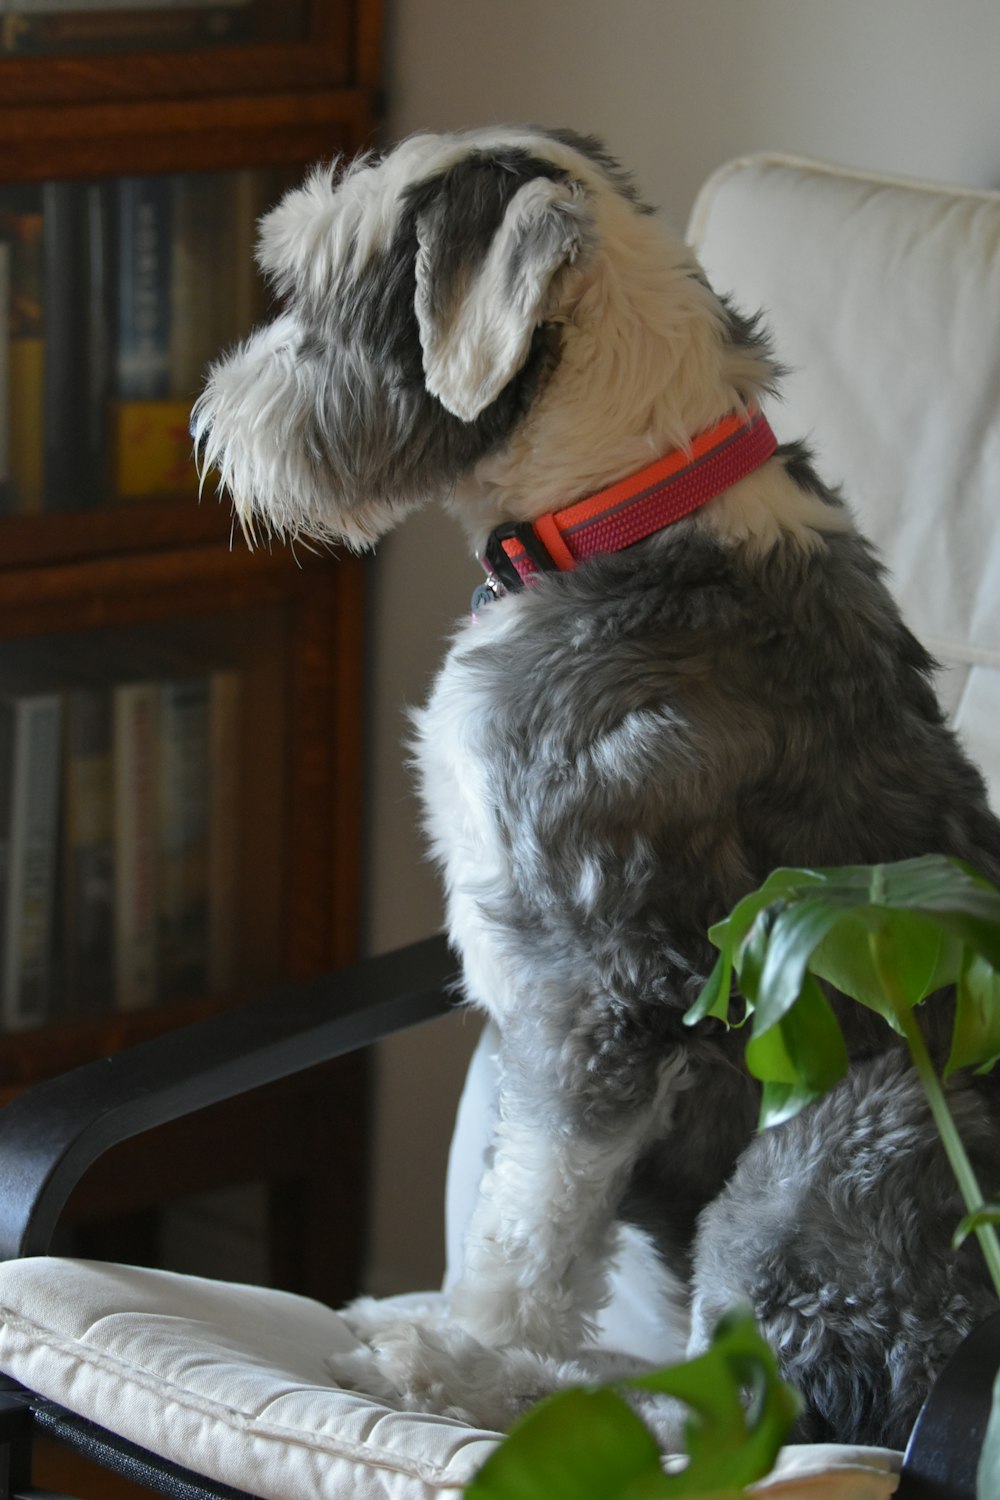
(674,87)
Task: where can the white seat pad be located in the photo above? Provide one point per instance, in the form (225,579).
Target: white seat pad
(226,1380)
(230,1381)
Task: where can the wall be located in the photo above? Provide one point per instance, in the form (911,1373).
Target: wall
(674,87)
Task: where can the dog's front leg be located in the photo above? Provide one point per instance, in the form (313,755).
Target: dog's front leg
(539,1247)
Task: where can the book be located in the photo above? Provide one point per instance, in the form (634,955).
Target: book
(135,732)
(74,315)
(97,373)
(63,314)
(88,851)
(31,734)
(212,301)
(26,359)
(202,279)
(216,292)
(4,377)
(183,813)
(143,233)
(225,743)
(249,199)
(150,449)
(110,28)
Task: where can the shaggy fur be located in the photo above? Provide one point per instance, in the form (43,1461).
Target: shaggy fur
(610,759)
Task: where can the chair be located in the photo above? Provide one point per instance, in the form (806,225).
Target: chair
(884,296)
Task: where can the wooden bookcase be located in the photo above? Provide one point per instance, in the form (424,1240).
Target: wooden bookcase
(164,574)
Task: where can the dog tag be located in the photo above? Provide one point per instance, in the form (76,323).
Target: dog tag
(482,597)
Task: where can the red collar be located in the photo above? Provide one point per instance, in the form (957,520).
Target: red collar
(633,509)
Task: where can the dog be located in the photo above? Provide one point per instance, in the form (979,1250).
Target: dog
(684,669)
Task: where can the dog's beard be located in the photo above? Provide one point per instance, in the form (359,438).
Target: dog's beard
(302,451)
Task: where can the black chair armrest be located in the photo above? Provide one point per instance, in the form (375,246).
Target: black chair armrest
(51,1134)
(942,1456)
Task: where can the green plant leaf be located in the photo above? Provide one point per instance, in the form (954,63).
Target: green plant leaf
(988,1471)
(962,902)
(924,958)
(741,1409)
(795,933)
(751,955)
(799,1057)
(975,1041)
(731,935)
(577,1445)
(714,998)
(783,884)
(844,959)
(986,1213)
(923,955)
(780,1102)
(590,1445)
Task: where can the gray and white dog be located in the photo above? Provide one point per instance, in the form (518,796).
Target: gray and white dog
(615,753)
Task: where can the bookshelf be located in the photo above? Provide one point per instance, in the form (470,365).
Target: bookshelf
(126,594)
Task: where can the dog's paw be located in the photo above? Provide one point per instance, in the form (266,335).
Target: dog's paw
(361,1370)
(366,1317)
(413,1367)
(445,1370)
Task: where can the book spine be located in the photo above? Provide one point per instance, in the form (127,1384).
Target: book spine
(135,733)
(5,493)
(249,194)
(32,851)
(64,292)
(89,851)
(142,355)
(184,835)
(26,360)
(202,286)
(225,745)
(97,349)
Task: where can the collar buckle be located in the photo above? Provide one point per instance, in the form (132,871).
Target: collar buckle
(502,566)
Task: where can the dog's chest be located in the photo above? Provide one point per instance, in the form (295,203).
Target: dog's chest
(456,773)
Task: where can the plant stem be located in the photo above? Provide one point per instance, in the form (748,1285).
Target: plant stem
(935,1095)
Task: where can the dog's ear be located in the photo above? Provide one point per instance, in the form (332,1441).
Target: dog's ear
(477,320)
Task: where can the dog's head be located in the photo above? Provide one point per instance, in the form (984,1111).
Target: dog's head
(427,298)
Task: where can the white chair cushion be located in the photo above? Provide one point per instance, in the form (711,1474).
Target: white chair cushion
(230,1381)
(226,1380)
(883,296)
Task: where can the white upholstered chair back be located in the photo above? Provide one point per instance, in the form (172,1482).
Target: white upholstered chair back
(883,297)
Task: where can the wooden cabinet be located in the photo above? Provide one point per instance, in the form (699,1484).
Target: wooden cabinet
(261,102)
(152,589)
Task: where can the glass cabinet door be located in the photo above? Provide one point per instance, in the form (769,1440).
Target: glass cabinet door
(143,811)
(114,297)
